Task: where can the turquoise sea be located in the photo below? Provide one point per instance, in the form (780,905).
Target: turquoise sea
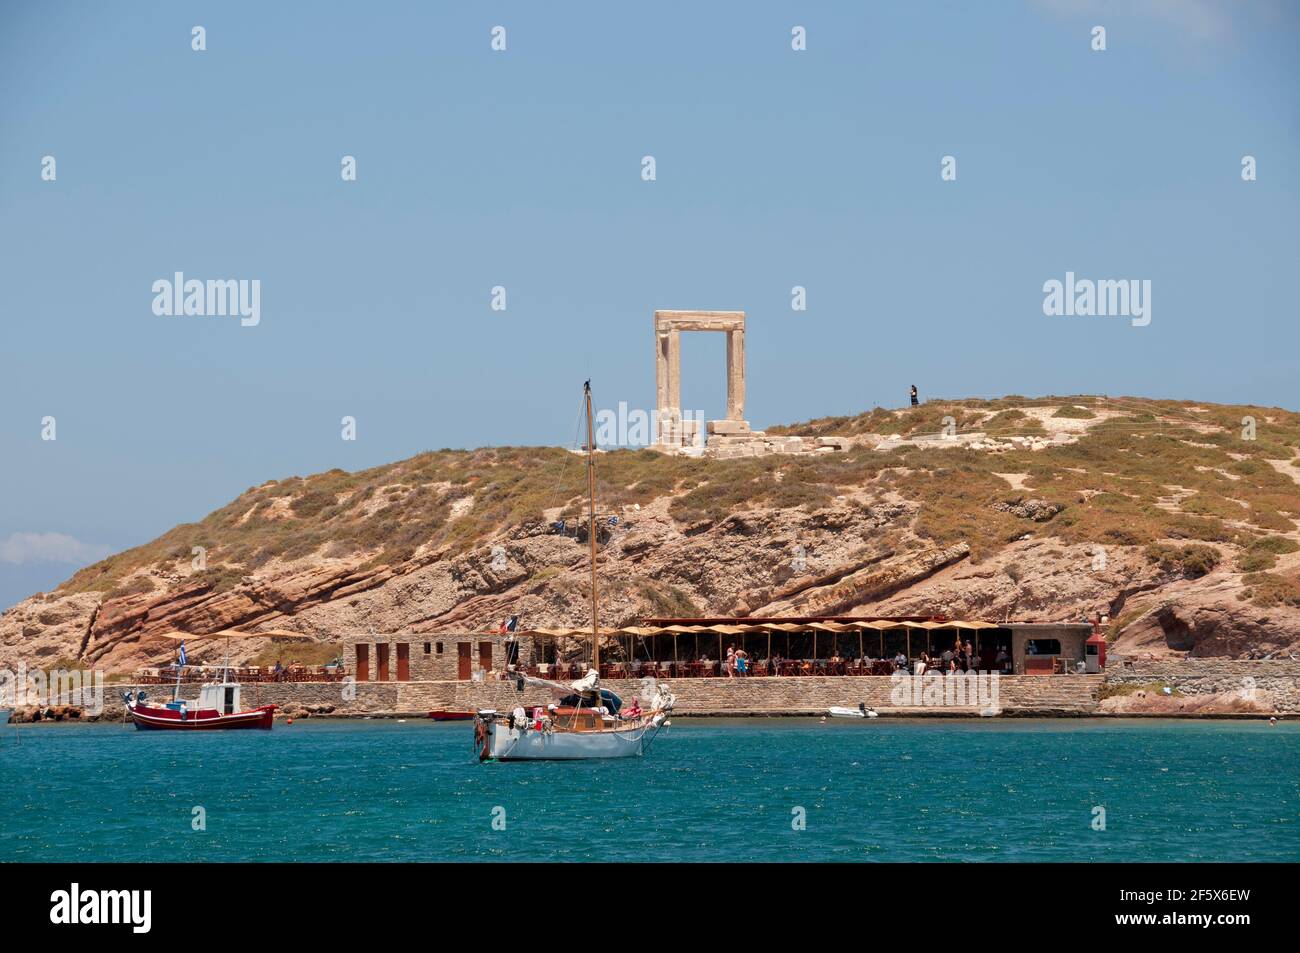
(923,790)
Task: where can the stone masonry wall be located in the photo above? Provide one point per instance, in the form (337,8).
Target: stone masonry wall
(1280,678)
(700,696)
(1062,694)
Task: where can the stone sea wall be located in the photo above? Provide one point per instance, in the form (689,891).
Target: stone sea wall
(1075,694)
(1277,683)
(1280,679)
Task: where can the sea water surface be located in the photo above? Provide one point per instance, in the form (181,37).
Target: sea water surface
(707,790)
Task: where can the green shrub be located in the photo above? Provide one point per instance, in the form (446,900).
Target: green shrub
(1074,413)
(1189,561)
(1263,552)
(137,586)
(1268,590)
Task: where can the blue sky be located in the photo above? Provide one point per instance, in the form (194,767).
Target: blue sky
(522,168)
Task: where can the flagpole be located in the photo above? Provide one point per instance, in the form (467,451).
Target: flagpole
(180,664)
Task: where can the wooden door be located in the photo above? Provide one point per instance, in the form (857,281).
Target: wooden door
(381,660)
(485,656)
(363,663)
(403,662)
(464,661)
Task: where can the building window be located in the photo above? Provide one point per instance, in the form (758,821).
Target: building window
(438,647)
(1043,647)
(426,648)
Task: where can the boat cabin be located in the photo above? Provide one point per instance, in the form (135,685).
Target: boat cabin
(221,697)
(581,719)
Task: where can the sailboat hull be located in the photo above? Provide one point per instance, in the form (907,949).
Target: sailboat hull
(500,742)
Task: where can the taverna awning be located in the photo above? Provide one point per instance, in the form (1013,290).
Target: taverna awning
(746,627)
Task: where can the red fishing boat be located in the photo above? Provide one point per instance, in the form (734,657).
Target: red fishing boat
(442,714)
(217,707)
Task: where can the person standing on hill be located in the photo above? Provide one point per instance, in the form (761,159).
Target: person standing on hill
(915,401)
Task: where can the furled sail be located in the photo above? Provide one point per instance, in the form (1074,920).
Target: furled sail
(587,689)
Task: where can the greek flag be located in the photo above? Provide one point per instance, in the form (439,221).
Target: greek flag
(181,662)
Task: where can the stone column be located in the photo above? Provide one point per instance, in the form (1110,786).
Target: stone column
(670,413)
(675,372)
(661,372)
(736,374)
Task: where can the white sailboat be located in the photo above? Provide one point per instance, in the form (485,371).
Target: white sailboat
(587,721)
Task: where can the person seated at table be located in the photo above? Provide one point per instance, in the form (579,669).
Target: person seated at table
(836,661)
(900,661)
(1003,660)
(921,664)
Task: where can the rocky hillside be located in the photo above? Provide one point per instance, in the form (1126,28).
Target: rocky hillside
(1175,519)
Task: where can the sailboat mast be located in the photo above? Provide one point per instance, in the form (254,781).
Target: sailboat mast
(591,529)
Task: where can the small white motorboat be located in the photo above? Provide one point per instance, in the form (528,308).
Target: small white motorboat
(862,711)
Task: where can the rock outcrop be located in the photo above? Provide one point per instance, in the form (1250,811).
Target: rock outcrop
(889,525)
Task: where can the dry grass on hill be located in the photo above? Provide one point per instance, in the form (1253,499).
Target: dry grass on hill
(1141,473)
